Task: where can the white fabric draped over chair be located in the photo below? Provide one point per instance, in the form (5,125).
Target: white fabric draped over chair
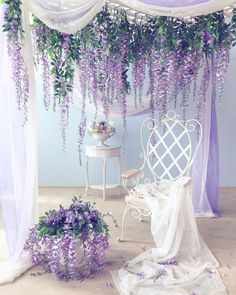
(181,263)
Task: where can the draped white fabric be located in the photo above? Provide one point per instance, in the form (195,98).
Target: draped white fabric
(18,169)
(71,16)
(204,196)
(176,236)
(189,10)
(66,16)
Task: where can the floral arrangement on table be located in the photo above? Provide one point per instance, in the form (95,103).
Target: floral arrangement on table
(97,127)
(174,55)
(70,243)
(101,130)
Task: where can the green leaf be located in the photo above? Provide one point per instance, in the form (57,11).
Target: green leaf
(209,25)
(5,28)
(160,30)
(10,15)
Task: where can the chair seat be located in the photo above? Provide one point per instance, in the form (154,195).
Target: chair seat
(135,200)
(130,173)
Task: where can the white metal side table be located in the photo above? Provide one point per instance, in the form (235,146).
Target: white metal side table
(103,153)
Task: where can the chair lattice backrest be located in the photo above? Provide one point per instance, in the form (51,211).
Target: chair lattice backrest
(169,151)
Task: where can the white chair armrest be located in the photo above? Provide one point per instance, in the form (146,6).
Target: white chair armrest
(130,173)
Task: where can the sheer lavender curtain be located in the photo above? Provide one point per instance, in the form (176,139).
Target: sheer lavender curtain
(206,165)
(18,164)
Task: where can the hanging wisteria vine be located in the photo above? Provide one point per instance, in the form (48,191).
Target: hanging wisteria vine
(13,27)
(167,54)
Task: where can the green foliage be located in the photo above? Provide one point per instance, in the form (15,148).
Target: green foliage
(234,28)
(12,19)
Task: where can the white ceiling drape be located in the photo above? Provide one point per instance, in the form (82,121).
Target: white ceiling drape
(65,16)
(71,16)
(198,7)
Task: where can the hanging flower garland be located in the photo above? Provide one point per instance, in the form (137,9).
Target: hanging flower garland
(13,28)
(107,48)
(165,53)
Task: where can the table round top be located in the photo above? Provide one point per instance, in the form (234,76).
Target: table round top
(96,147)
(103,151)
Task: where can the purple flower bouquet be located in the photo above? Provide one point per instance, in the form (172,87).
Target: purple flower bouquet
(70,243)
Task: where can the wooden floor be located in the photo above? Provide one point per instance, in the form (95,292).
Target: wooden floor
(219,234)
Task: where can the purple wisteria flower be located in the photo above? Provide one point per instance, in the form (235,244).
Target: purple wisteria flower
(13,27)
(141,275)
(221,66)
(202,92)
(170,261)
(109,285)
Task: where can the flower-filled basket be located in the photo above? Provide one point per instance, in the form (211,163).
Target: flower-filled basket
(70,243)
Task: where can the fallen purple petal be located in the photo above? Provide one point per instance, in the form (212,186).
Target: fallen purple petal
(109,285)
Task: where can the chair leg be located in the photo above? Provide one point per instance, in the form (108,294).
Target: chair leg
(141,218)
(122,225)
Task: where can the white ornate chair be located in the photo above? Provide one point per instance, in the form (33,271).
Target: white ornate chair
(168,151)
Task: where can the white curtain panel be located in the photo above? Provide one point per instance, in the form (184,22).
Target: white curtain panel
(18,164)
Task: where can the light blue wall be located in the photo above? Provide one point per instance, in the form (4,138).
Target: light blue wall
(227,127)
(57,168)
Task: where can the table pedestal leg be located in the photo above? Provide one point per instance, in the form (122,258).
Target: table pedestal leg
(104,179)
(87,176)
(119,171)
